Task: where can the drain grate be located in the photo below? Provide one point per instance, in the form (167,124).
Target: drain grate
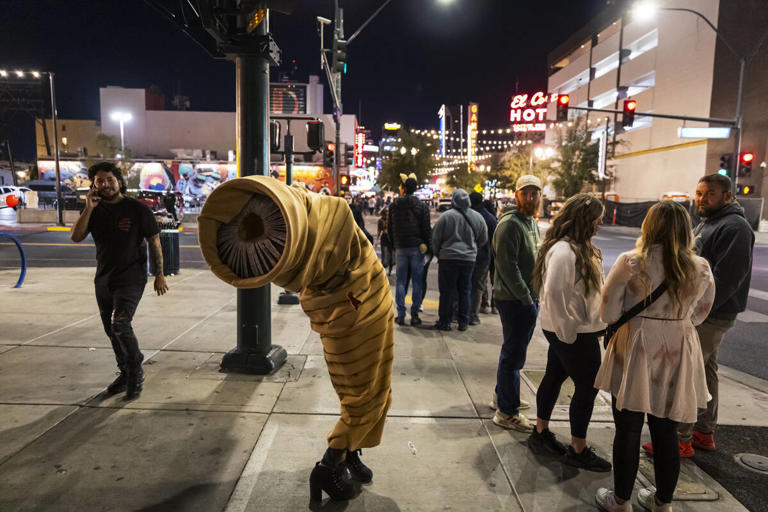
(753,462)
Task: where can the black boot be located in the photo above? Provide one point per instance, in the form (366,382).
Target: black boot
(357,469)
(328,476)
(118,385)
(134,382)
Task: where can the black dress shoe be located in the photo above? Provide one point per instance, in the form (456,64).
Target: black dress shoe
(441,327)
(332,481)
(415,320)
(118,385)
(359,471)
(134,382)
(462,327)
(400,320)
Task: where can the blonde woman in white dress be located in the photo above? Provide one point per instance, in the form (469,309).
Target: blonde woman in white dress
(653,365)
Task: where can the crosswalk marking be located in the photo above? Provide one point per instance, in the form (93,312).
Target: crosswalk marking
(752,317)
(758,294)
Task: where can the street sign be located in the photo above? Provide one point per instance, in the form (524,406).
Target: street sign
(703,132)
(602,153)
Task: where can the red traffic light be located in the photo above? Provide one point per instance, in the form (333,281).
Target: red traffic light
(747,157)
(630,105)
(331,146)
(564,99)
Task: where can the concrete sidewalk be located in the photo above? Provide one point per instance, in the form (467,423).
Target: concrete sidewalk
(198,439)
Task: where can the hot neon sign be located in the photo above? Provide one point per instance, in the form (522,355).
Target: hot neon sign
(472,136)
(528,113)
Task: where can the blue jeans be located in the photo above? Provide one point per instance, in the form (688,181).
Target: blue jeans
(454,278)
(410,262)
(517,323)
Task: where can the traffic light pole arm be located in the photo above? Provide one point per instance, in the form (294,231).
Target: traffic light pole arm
(728,122)
(357,32)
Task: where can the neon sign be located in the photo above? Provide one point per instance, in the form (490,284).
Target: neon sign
(472,136)
(359,148)
(528,113)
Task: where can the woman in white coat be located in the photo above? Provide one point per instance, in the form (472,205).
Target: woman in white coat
(568,277)
(653,365)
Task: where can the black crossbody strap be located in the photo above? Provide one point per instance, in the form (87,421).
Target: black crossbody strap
(640,306)
(474,235)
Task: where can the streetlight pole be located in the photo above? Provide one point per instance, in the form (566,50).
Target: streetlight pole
(55,116)
(646,10)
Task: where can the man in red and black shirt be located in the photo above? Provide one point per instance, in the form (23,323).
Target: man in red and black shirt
(119,226)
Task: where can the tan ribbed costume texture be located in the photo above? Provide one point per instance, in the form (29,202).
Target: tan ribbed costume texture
(342,288)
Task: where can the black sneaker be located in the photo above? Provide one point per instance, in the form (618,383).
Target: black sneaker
(474,321)
(441,327)
(400,320)
(415,320)
(546,444)
(462,327)
(118,385)
(587,459)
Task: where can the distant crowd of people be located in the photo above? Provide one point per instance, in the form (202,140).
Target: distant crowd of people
(662,312)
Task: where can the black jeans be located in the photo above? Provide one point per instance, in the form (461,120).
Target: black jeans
(117,306)
(626,452)
(454,280)
(580,361)
(517,323)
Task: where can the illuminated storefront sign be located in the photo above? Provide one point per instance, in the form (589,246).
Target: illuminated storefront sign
(441,115)
(359,148)
(528,112)
(392,126)
(472,136)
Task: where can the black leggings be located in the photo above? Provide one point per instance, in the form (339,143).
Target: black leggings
(580,361)
(626,453)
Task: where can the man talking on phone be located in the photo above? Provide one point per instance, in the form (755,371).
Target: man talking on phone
(119,226)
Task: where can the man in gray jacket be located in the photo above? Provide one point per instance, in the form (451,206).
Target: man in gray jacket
(455,238)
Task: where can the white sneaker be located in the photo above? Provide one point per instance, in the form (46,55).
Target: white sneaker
(517,422)
(647,499)
(524,404)
(606,500)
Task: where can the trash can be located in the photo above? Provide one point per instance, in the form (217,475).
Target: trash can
(169,241)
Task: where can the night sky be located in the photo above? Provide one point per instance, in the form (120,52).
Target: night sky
(416,55)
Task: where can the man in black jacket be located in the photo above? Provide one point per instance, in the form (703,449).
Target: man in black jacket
(483,260)
(725,239)
(409,229)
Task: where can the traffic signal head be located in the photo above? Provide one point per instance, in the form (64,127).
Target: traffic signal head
(562,107)
(328,154)
(339,55)
(745,190)
(745,164)
(344,180)
(726,164)
(274,135)
(628,117)
(315,135)
(349,156)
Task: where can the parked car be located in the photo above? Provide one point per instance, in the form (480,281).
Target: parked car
(10,190)
(443,204)
(46,193)
(167,207)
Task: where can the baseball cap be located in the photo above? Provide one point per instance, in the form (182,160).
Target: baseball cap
(528,180)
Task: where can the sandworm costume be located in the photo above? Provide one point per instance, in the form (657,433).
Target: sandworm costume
(257,230)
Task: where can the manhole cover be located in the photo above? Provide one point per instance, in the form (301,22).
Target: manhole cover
(753,462)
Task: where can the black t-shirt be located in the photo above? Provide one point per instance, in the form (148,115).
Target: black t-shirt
(119,231)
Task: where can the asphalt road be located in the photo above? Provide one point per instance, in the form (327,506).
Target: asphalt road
(745,347)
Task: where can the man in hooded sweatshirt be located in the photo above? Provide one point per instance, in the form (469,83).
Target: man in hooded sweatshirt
(483,261)
(515,246)
(455,239)
(725,239)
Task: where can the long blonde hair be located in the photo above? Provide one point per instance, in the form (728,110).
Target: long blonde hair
(668,224)
(576,225)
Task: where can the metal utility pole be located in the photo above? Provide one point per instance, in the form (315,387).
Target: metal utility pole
(255,352)
(339,35)
(241,33)
(10,162)
(54,114)
(288,297)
